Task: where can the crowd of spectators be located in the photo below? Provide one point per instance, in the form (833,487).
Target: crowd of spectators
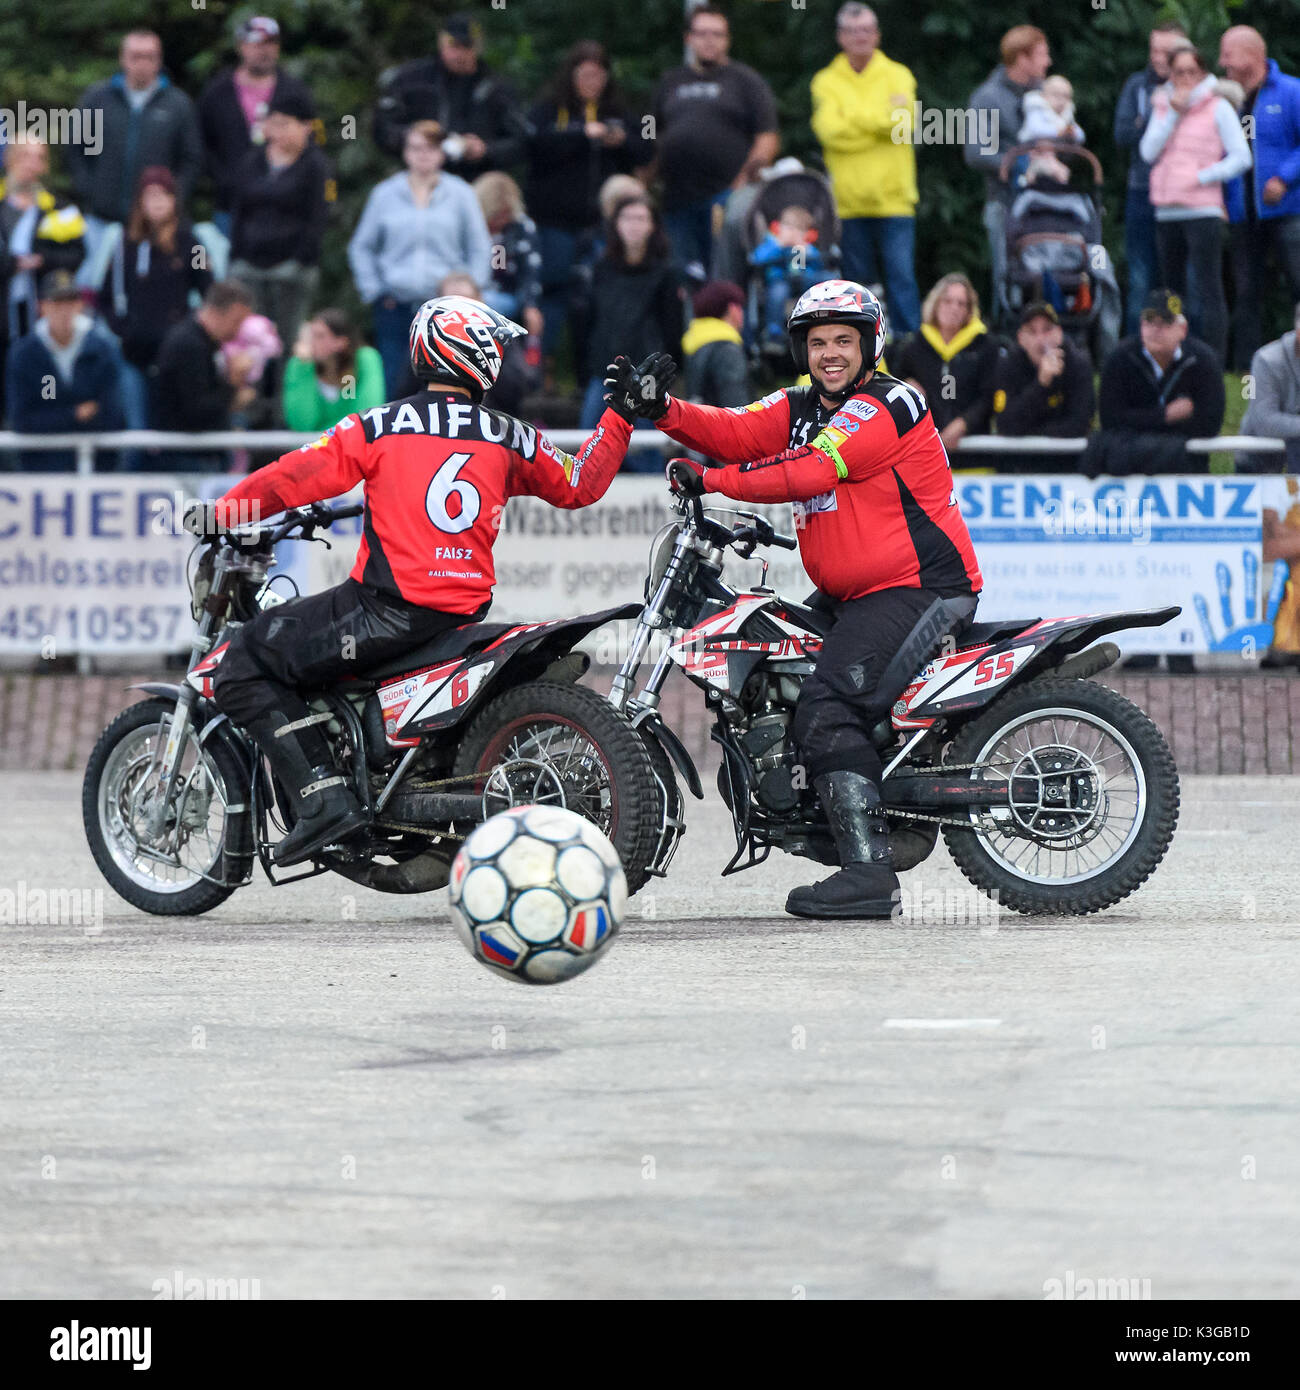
(606,229)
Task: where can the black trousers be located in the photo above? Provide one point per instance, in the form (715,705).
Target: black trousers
(1197,243)
(310,642)
(1253,249)
(868,658)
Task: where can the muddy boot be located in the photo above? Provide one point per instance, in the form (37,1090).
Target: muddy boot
(327,808)
(866,885)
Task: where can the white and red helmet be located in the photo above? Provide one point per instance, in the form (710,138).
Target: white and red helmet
(838,301)
(459,341)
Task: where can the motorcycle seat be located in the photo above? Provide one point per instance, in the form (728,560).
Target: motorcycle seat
(980,634)
(456,641)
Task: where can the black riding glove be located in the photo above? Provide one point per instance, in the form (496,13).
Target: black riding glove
(639,391)
(685,477)
(200,519)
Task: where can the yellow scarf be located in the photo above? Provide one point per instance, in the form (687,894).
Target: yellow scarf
(961,339)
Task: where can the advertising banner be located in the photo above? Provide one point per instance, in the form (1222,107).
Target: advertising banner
(95,564)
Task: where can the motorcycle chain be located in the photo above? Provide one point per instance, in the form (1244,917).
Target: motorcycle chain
(902,814)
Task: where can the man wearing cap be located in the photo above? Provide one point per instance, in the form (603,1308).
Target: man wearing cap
(63,377)
(235,104)
(483,123)
(280,197)
(1042,386)
(1158,390)
(142,119)
(717,370)
(39,232)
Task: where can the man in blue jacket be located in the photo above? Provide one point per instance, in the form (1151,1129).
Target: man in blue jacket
(64,377)
(1264,203)
(1132,113)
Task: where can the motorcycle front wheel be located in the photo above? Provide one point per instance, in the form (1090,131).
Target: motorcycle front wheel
(203,850)
(1093,806)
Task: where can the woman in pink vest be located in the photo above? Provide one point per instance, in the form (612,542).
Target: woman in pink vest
(1194,145)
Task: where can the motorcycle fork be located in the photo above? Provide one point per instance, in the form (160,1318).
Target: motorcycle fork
(213,609)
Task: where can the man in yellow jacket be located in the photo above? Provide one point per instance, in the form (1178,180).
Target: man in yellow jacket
(862,116)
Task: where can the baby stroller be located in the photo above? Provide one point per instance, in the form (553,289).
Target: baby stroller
(1054,248)
(798,187)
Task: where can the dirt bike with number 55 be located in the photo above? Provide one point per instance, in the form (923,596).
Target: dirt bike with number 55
(1052,791)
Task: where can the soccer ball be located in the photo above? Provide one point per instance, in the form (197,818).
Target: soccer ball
(537,894)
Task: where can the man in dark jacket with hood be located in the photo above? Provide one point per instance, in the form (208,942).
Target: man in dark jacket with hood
(1132,113)
(1043,387)
(995,106)
(236,102)
(1158,390)
(484,123)
(142,120)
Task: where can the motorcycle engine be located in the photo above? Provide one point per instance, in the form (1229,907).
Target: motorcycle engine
(767,743)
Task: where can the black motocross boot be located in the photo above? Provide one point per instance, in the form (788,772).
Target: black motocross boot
(866,885)
(327,808)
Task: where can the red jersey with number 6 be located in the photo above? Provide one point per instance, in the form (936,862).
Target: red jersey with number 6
(438,472)
(874,501)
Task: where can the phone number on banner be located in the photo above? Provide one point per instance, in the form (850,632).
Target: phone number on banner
(122,625)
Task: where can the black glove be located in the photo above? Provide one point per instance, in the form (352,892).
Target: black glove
(639,391)
(655,375)
(200,519)
(685,477)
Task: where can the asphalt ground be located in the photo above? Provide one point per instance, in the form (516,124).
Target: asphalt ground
(315,1088)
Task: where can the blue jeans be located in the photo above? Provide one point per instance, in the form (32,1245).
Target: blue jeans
(1140,253)
(690,230)
(995,224)
(593,407)
(134,386)
(882,250)
(558,249)
(392,325)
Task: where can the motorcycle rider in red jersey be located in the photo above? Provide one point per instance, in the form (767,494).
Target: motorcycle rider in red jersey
(438,469)
(880,534)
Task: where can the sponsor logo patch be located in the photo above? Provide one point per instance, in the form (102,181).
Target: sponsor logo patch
(864,410)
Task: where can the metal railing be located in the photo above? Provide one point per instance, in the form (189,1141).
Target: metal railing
(86,446)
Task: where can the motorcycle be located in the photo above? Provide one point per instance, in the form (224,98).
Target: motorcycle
(1051,791)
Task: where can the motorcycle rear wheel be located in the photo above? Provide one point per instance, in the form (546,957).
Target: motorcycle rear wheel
(1108,795)
(563,745)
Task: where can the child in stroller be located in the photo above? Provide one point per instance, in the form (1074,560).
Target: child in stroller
(793,236)
(1054,247)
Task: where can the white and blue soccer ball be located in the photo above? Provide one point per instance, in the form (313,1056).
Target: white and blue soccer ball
(537,894)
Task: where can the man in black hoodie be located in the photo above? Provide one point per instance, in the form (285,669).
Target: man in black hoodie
(1043,386)
(484,123)
(236,102)
(1158,390)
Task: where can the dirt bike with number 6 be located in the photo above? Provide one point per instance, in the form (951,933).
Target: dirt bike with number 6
(1051,790)
(180,806)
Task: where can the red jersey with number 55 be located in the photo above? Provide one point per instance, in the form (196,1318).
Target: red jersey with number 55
(874,502)
(438,472)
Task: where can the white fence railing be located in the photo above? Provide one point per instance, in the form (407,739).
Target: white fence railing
(86,446)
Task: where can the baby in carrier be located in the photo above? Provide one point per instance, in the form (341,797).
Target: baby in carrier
(790,261)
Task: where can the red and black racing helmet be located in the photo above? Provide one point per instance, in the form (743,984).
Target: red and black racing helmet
(458,341)
(839,301)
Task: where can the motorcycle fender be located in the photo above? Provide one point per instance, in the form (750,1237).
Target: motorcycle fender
(654,727)
(510,660)
(211,723)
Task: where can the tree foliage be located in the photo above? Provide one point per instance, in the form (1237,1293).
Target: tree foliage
(50,51)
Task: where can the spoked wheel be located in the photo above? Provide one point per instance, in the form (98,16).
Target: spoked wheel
(202,849)
(1089,800)
(562,745)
